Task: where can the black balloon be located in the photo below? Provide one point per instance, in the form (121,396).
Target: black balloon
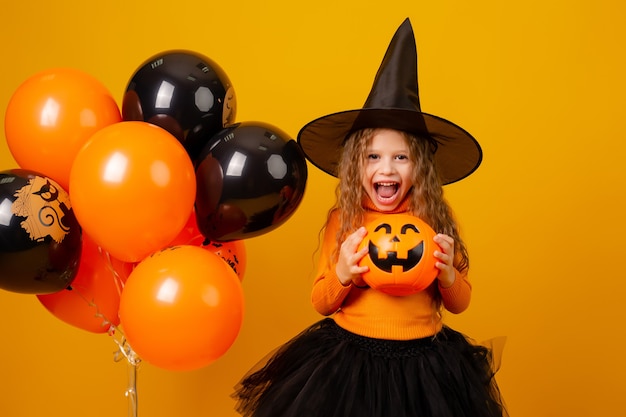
(40,239)
(185,93)
(250,179)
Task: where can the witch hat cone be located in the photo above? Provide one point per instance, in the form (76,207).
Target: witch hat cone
(393,102)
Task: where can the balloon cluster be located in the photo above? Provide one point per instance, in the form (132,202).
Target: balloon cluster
(136,216)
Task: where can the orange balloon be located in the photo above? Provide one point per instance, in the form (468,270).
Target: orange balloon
(189,234)
(93,301)
(51,115)
(181,308)
(232,252)
(133,189)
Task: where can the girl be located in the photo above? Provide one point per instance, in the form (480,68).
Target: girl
(381,355)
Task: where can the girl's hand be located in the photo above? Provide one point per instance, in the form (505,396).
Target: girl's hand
(347,268)
(445,257)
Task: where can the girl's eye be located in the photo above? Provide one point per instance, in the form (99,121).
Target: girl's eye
(372,156)
(402,157)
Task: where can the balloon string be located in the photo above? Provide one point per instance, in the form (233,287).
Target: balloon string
(119,283)
(124,350)
(131,392)
(105,321)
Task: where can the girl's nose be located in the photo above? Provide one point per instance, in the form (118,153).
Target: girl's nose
(387,166)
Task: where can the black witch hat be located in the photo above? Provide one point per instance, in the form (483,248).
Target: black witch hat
(393,103)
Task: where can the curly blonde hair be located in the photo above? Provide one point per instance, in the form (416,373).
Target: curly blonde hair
(426,199)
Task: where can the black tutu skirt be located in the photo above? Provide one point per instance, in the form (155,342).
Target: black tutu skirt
(327,371)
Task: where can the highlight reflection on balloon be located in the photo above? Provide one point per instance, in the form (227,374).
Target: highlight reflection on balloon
(181,308)
(40,239)
(185,93)
(51,115)
(133,188)
(250,179)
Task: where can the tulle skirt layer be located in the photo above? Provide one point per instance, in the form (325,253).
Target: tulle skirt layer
(327,371)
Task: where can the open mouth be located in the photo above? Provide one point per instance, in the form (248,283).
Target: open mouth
(386,191)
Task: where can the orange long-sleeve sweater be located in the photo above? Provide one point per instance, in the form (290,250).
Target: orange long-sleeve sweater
(371,313)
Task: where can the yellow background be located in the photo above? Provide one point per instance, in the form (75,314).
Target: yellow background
(539,83)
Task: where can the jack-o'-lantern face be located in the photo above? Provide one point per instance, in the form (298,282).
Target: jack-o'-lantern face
(392,248)
(400,257)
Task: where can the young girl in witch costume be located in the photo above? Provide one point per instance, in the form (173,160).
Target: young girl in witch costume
(382,355)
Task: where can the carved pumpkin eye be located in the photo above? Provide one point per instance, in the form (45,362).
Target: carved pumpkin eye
(400,257)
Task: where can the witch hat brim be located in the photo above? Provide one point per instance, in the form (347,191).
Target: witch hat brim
(393,103)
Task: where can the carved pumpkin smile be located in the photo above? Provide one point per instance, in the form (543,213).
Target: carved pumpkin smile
(401,257)
(393,254)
